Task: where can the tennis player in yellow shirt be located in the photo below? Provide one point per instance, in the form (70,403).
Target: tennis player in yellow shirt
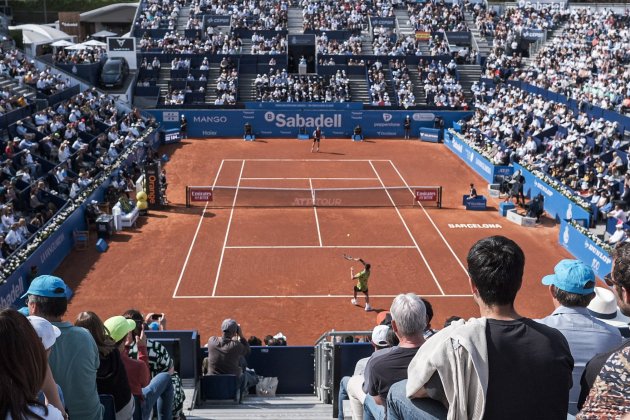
(362,283)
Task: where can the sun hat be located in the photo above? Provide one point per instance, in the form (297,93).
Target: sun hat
(604,307)
(119,326)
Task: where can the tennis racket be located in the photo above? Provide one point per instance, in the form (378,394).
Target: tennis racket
(350,258)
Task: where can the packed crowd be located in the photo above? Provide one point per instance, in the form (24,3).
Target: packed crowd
(330,15)
(273,45)
(436,16)
(249,14)
(402,83)
(227,84)
(377,85)
(441,86)
(350,46)
(80,137)
(159,14)
(278,86)
(588,61)
(86,56)
(175,43)
(510,125)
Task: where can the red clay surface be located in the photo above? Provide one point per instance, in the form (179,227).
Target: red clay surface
(273,270)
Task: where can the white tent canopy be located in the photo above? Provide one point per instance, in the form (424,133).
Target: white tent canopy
(40,34)
(94,43)
(103,34)
(77,47)
(62,43)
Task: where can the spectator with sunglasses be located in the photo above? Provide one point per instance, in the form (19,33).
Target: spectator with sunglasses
(605,392)
(572,287)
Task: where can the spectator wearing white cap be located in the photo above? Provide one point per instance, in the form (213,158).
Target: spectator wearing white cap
(604,307)
(572,287)
(48,333)
(74,358)
(381,346)
(619,235)
(22,369)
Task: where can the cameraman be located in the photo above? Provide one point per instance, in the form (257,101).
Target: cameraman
(225,352)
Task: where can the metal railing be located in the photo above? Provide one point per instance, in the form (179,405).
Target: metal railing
(324,361)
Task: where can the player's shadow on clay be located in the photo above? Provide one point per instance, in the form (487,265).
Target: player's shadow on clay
(332,153)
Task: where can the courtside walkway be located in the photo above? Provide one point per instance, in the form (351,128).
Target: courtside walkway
(253,407)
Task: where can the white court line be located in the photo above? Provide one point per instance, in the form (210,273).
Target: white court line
(227,230)
(317,179)
(431,220)
(407,227)
(308,160)
(192,244)
(321,246)
(311,296)
(319,233)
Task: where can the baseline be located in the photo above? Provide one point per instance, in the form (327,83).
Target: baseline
(308,296)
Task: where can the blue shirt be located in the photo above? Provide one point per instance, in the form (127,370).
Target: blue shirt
(74,361)
(586,335)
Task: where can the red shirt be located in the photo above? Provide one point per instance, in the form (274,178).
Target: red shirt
(137,370)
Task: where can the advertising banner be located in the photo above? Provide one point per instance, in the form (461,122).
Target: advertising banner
(427,194)
(217,20)
(200,194)
(556,204)
(479,163)
(123,47)
(385,22)
(459,38)
(173,135)
(152,176)
(290,122)
(432,135)
(533,35)
(583,248)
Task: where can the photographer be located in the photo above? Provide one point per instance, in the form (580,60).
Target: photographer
(225,352)
(156,321)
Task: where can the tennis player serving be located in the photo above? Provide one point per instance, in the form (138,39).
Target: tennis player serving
(362,282)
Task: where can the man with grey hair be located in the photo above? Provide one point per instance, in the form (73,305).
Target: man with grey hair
(409,320)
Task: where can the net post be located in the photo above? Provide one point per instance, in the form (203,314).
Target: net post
(187,197)
(439,203)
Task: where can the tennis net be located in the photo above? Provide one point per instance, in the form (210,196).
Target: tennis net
(228,196)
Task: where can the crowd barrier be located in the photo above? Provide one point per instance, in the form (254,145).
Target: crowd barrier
(557,205)
(584,248)
(11,117)
(89,72)
(474,159)
(288,122)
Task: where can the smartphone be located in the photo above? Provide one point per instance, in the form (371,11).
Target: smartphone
(156,317)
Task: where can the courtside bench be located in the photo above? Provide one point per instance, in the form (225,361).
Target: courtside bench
(478,203)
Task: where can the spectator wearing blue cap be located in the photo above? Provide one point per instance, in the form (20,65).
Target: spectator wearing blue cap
(572,287)
(74,359)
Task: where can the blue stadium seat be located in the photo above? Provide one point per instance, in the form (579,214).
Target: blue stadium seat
(220,387)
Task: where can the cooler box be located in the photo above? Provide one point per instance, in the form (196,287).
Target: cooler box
(505,206)
(101,245)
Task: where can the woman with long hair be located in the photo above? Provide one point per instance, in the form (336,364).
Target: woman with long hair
(111,377)
(23,364)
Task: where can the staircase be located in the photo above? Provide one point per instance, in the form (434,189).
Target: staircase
(534,48)
(306,407)
(404,28)
(484,44)
(246,91)
(211,90)
(295,23)
(165,76)
(12,86)
(366,46)
(468,74)
(389,86)
(246,46)
(418,87)
(182,19)
(358,89)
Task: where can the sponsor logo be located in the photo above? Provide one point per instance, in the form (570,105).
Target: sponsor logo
(474,226)
(170,116)
(423,116)
(483,165)
(470,155)
(387,117)
(543,188)
(214,119)
(120,42)
(570,211)
(599,254)
(458,146)
(595,264)
(52,248)
(17,290)
(324,202)
(565,236)
(281,120)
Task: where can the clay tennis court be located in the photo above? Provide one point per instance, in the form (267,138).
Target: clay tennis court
(262,253)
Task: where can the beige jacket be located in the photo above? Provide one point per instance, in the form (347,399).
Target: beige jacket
(459,355)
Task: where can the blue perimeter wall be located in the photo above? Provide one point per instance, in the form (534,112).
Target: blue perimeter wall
(274,121)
